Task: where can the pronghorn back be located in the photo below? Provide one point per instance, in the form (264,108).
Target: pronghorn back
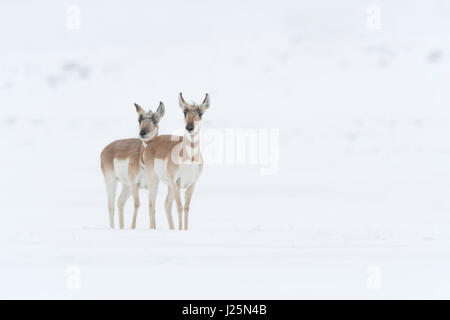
(161,147)
(160,155)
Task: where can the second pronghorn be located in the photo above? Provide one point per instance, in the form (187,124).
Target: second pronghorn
(177,162)
(121,161)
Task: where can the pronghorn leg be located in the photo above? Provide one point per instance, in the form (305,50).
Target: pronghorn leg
(176,192)
(168,206)
(153,188)
(137,204)
(123,197)
(187,203)
(111,185)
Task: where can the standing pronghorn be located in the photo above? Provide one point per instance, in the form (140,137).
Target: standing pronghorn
(122,161)
(177,162)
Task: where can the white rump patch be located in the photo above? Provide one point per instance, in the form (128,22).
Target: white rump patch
(121,170)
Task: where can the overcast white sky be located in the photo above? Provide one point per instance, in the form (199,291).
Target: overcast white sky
(40,25)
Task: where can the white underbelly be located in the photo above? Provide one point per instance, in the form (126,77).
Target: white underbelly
(121,168)
(141,179)
(161,170)
(188,174)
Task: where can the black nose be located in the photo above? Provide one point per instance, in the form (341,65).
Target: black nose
(143,133)
(190,127)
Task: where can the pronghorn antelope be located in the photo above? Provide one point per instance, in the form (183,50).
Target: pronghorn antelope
(122,161)
(177,162)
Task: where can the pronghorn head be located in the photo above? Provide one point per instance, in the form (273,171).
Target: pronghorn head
(193,114)
(149,121)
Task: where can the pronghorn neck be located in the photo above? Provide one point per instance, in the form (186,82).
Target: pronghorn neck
(144,146)
(142,151)
(191,146)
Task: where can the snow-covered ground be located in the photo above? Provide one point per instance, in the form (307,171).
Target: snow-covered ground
(358,209)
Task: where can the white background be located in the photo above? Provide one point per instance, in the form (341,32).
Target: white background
(364,148)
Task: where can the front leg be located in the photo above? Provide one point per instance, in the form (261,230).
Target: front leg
(187,203)
(176,193)
(168,207)
(152,181)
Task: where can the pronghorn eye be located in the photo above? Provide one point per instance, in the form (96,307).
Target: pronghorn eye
(140,119)
(185,113)
(200,114)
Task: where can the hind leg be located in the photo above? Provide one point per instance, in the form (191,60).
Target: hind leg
(111,185)
(153,188)
(123,197)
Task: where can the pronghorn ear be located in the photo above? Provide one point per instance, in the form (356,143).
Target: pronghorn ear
(161,110)
(205,104)
(139,109)
(181,102)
